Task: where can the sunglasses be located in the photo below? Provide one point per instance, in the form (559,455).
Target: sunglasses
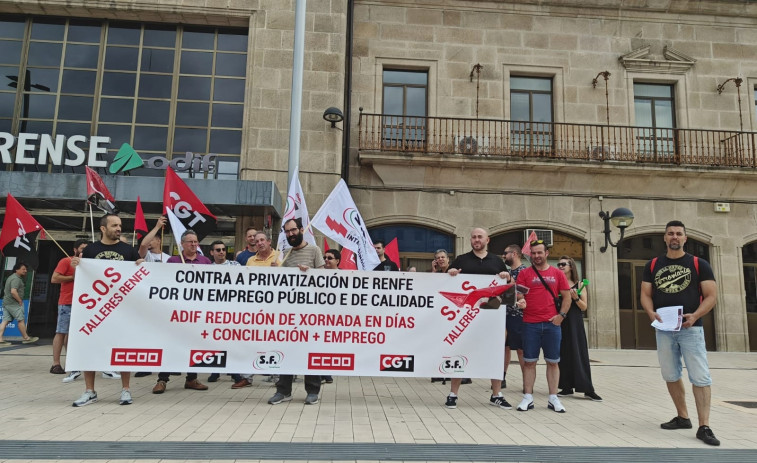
(329,258)
(563,264)
(537,242)
(220,249)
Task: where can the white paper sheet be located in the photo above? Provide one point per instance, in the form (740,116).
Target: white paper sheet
(672,318)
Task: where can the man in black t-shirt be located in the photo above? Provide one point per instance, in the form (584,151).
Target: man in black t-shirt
(479,261)
(109,247)
(386,264)
(680,279)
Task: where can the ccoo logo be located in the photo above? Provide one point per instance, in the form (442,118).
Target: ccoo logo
(207,358)
(324,361)
(136,357)
(270,360)
(453,364)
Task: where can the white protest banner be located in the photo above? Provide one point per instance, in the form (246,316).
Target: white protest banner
(339,219)
(182,317)
(296,208)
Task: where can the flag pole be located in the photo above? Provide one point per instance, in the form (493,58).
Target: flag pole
(92,222)
(161,242)
(56,242)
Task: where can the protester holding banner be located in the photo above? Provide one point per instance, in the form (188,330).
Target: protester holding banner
(189,255)
(479,261)
(109,247)
(63,275)
(304,256)
(13,303)
(332,258)
(266,256)
(440,263)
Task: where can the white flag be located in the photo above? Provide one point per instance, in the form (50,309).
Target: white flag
(295,209)
(340,220)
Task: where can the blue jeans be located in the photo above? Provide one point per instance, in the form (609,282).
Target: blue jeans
(541,336)
(689,344)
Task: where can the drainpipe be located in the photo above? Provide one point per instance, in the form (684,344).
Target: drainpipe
(347,126)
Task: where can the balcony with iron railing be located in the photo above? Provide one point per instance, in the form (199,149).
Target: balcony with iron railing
(558,141)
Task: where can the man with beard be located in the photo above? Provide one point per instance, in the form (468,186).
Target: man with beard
(513,335)
(478,261)
(109,247)
(541,323)
(304,256)
(680,279)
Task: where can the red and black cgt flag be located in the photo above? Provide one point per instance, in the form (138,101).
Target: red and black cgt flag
(19,235)
(140,224)
(191,212)
(98,194)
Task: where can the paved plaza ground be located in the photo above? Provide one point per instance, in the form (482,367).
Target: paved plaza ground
(371,418)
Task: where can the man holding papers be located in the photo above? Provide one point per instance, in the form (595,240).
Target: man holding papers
(680,279)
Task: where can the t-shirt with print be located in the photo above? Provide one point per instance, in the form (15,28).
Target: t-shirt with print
(540,305)
(118,251)
(676,282)
(514,309)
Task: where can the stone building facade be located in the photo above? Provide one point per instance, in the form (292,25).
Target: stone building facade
(433,145)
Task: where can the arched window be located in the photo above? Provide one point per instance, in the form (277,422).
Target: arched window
(417,244)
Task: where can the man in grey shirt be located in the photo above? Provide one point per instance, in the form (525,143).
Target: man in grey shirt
(304,256)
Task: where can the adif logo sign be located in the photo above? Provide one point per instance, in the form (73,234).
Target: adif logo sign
(41,149)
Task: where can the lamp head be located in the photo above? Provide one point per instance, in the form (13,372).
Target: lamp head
(621,218)
(333,115)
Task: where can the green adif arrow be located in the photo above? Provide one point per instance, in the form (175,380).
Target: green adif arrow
(126,159)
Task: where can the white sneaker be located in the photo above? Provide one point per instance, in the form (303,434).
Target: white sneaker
(125,397)
(111,375)
(526,404)
(556,405)
(89,397)
(71,376)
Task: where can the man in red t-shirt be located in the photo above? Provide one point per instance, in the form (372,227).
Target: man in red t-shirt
(541,323)
(64,276)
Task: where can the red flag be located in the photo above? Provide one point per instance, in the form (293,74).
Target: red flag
(140,224)
(526,251)
(348,260)
(98,194)
(392,252)
(187,207)
(19,234)
(325,245)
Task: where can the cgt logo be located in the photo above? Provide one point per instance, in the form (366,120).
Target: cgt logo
(322,361)
(453,364)
(397,363)
(207,358)
(270,360)
(136,357)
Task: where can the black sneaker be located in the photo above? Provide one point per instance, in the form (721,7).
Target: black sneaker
(498,400)
(678,423)
(565,392)
(451,402)
(466,381)
(592,395)
(704,433)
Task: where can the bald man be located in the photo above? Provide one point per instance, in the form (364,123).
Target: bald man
(479,261)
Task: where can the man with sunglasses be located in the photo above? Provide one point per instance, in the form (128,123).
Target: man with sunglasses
(514,334)
(479,261)
(541,323)
(218,253)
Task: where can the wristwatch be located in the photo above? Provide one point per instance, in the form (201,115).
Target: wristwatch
(563,314)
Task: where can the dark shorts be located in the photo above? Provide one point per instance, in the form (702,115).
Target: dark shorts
(514,339)
(543,336)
